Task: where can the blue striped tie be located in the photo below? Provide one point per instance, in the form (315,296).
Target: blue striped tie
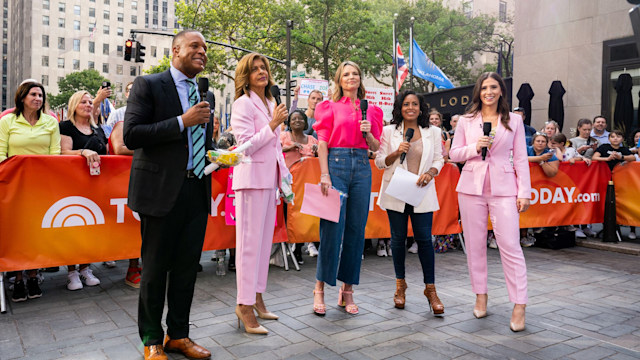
(197,136)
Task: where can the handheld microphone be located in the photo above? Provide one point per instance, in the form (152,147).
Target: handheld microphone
(486,129)
(275,92)
(364,105)
(408,135)
(203,88)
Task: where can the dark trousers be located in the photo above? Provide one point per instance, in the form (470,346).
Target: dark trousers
(421,224)
(171,249)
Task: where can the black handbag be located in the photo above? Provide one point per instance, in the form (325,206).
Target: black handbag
(555,238)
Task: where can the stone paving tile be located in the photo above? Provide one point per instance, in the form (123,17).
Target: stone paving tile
(565,315)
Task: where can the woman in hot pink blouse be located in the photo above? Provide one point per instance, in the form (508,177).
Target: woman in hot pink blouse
(344,140)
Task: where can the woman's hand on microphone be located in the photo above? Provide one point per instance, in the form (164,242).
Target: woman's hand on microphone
(365,126)
(280,114)
(483,142)
(403,148)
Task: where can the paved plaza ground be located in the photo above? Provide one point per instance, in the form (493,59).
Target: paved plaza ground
(583,304)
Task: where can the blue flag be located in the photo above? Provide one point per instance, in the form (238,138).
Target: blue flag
(424,68)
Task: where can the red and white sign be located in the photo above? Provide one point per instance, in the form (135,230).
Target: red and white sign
(383,98)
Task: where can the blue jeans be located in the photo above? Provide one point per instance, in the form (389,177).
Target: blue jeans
(421,223)
(340,253)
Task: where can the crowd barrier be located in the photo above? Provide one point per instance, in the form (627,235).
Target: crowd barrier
(53,212)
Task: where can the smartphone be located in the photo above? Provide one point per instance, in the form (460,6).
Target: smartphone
(106,84)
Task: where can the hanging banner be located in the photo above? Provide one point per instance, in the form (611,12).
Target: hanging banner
(309,85)
(383,98)
(574,196)
(626,180)
(53,212)
(305,228)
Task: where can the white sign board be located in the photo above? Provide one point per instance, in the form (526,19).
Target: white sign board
(383,98)
(308,85)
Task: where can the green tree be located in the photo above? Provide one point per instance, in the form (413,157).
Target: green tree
(247,24)
(89,80)
(163,65)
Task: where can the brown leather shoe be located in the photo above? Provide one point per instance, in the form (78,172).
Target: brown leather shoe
(186,347)
(435,304)
(154,352)
(399,296)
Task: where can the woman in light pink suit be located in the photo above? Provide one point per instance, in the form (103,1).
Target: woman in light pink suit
(498,186)
(257,119)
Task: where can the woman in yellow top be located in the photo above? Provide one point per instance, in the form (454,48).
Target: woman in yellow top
(28,131)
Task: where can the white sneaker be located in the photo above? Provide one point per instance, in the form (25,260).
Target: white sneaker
(632,236)
(109,264)
(492,241)
(311,248)
(413,248)
(88,277)
(382,249)
(73,280)
(580,234)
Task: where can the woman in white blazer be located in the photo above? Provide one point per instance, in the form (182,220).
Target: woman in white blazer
(423,158)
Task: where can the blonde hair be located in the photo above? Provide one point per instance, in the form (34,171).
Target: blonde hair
(243,72)
(337,92)
(74,101)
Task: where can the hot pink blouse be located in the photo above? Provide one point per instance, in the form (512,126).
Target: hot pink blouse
(338,123)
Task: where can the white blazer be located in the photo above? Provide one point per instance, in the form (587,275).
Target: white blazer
(431,157)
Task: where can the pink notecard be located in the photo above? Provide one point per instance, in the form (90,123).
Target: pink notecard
(316,204)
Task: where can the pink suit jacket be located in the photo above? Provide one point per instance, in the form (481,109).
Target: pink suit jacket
(506,179)
(250,122)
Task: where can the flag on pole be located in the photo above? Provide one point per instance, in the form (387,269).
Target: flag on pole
(424,68)
(401,67)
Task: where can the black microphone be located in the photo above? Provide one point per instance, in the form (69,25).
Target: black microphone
(364,105)
(486,129)
(275,92)
(203,87)
(408,135)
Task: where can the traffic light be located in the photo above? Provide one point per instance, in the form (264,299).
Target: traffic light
(127,49)
(139,52)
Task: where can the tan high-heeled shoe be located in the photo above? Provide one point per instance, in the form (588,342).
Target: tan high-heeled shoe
(319,309)
(399,296)
(350,308)
(435,304)
(517,327)
(479,313)
(265,315)
(257,330)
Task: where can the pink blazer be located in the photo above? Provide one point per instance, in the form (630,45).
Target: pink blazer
(250,122)
(506,179)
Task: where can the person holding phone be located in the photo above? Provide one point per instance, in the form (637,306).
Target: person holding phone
(541,154)
(584,144)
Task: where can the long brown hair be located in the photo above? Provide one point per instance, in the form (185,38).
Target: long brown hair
(337,92)
(21,94)
(243,72)
(503,106)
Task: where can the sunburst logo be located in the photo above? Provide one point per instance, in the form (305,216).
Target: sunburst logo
(73,211)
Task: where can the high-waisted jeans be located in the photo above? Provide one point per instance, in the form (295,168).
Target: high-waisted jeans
(421,224)
(340,253)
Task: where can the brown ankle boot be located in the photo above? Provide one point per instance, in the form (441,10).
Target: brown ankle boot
(398,297)
(434,302)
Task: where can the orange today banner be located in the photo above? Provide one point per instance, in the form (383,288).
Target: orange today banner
(626,180)
(574,196)
(305,228)
(53,212)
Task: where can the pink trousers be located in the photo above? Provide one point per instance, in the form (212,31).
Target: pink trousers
(474,211)
(255,221)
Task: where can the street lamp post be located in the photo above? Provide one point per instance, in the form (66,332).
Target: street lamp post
(288,65)
(394,68)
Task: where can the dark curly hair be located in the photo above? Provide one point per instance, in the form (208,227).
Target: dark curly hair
(304,117)
(423,118)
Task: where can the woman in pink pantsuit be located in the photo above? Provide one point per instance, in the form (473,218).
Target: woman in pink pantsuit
(255,118)
(498,186)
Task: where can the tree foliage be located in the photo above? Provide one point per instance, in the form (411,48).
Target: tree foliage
(163,65)
(89,80)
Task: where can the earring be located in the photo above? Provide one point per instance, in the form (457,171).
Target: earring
(420,113)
